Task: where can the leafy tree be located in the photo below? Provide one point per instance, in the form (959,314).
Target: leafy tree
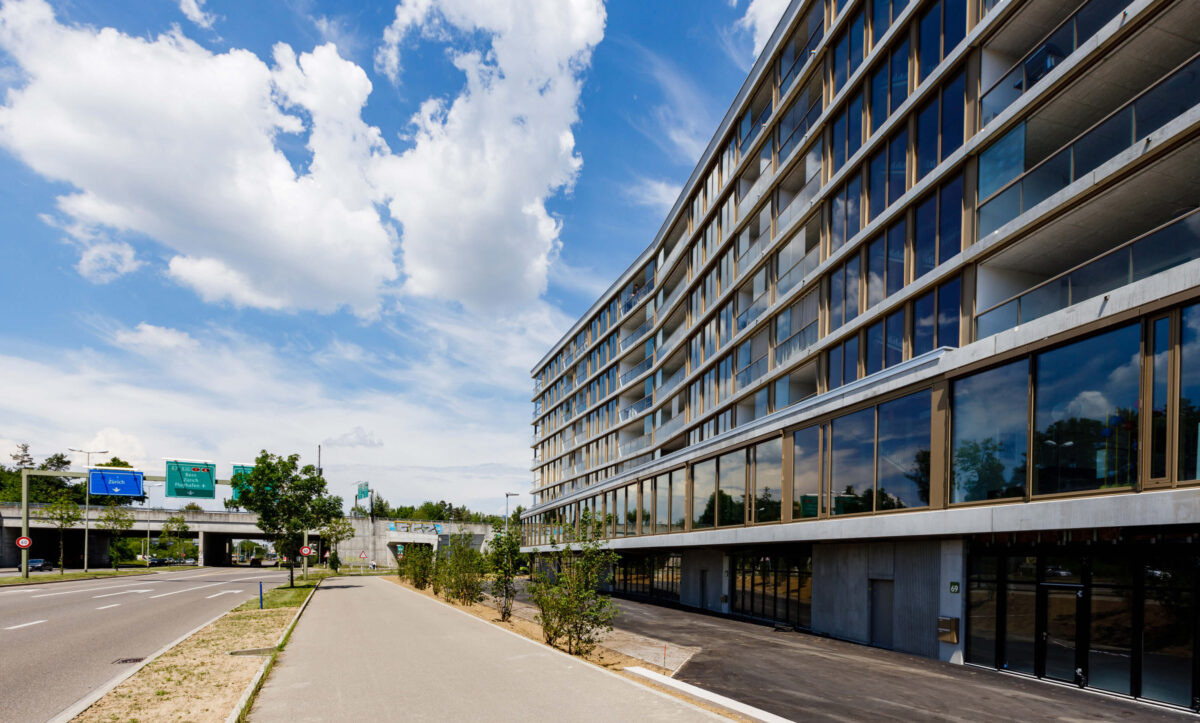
(115,519)
(335,532)
(173,530)
(464,569)
(63,512)
(565,588)
(22,459)
(417,565)
(504,559)
(289,500)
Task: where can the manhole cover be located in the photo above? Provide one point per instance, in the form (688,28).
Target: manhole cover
(126,661)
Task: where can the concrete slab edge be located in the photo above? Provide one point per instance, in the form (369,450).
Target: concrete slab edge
(246,700)
(87,701)
(554,650)
(709,697)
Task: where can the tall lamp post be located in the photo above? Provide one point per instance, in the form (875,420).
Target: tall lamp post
(146,557)
(506,496)
(87,500)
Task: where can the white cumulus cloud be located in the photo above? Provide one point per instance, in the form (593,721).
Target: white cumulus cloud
(760,20)
(194,10)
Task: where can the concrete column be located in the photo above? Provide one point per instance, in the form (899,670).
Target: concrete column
(953,603)
(201,545)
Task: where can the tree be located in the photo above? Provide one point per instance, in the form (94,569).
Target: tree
(504,559)
(417,565)
(115,519)
(464,569)
(565,588)
(22,459)
(192,507)
(335,532)
(64,513)
(289,500)
(173,530)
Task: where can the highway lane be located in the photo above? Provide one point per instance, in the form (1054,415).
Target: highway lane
(60,641)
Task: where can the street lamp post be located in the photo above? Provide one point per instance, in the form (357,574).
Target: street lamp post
(146,557)
(506,496)
(87,500)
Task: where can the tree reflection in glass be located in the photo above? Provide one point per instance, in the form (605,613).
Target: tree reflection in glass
(1086,413)
(990,414)
(852,463)
(903,474)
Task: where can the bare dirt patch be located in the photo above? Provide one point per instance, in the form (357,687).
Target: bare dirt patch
(196,680)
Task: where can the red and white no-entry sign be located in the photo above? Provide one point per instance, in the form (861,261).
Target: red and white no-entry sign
(24,543)
(306,551)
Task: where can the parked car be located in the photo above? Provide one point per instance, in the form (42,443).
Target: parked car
(190,561)
(38,563)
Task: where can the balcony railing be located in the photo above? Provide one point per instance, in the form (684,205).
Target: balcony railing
(751,374)
(672,339)
(637,407)
(790,74)
(635,297)
(747,317)
(669,427)
(796,274)
(673,296)
(800,204)
(635,462)
(632,337)
(637,370)
(672,381)
(1048,54)
(756,127)
(800,132)
(1145,113)
(795,344)
(755,192)
(1166,247)
(635,445)
(537,385)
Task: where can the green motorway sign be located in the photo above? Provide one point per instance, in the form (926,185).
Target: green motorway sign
(245,469)
(191,479)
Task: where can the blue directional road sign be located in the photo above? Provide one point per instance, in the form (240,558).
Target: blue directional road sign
(111,481)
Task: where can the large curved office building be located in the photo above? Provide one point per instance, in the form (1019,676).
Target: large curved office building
(914,361)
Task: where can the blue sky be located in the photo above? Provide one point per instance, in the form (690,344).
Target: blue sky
(230,226)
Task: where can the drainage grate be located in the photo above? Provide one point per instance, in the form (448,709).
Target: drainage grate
(127,661)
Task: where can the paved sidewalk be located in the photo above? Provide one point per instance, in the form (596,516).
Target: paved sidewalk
(367,649)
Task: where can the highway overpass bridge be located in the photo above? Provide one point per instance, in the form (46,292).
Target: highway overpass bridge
(216,533)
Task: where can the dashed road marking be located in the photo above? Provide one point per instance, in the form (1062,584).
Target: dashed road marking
(105,607)
(223,592)
(24,625)
(122,592)
(186,589)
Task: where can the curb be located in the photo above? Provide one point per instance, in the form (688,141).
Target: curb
(708,697)
(242,707)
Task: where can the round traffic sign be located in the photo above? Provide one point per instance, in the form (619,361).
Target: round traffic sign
(24,543)
(306,551)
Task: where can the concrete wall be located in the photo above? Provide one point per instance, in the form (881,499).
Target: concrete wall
(843,574)
(378,540)
(713,566)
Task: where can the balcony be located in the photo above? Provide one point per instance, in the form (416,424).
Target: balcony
(637,407)
(1047,55)
(757,307)
(537,385)
(673,338)
(635,445)
(751,374)
(796,274)
(669,427)
(799,205)
(636,371)
(805,54)
(641,293)
(672,381)
(1145,113)
(1176,243)
(673,296)
(632,337)
(794,345)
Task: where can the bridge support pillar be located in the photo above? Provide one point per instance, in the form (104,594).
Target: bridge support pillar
(201,544)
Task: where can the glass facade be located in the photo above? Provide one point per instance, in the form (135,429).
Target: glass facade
(774,585)
(989,438)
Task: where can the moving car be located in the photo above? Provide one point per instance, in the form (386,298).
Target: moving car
(38,563)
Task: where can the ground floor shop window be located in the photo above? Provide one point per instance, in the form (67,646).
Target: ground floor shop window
(654,576)
(1109,609)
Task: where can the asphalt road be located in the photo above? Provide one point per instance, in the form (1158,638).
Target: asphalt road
(61,641)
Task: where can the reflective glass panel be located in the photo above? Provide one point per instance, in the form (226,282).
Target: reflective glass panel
(904,429)
(894,339)
(929,53)
(876,268)
(678,500)
(897,166)
(852,463)
(874,355)
(879,97)
(923,324)
(704,494)
(989,416)
(950,219)
(953,108)
(768,481)
(850,359)
(1189,396)
(949,299)
(927,137)
(662,504)
(895,257)
(1086,413)
(806,473)
(1160,345)
(731,501)
(1111,646)
(899,62)
(925,237)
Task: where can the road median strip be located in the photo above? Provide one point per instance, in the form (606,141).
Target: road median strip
(198,672)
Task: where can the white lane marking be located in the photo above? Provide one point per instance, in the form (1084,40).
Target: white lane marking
(93,589)
(123,592)
(24,625)
(256,578)
(105,607)
(186,589)
(223,592)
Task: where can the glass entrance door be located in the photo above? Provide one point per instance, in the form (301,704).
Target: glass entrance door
(1059,613)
